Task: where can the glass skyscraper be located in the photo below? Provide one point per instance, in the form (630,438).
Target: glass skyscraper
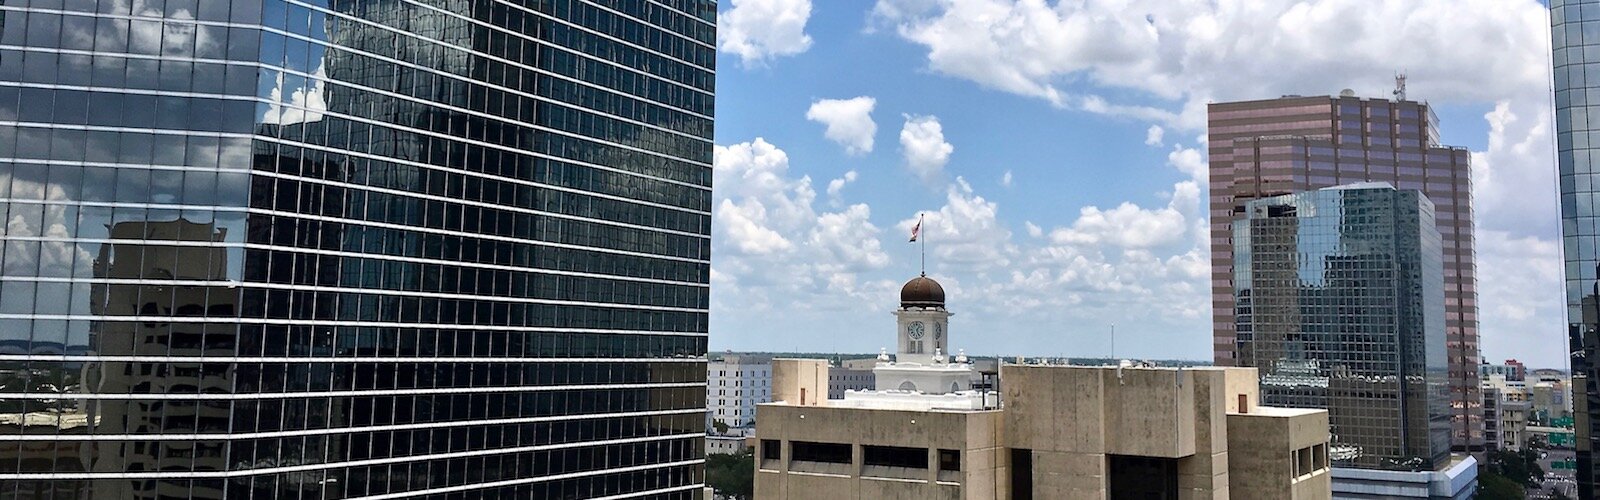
(1575,30)
(1340,296)
(354,248)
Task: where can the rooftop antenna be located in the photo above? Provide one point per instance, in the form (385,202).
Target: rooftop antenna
(1113,342)
(1400,86)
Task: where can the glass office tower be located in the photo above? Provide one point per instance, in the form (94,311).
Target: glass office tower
(354,248)
(1340,296)
(1575,30)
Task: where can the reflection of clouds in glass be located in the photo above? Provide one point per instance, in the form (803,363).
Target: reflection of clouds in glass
(236,154)
(76,31)
(305,104)
(53,258)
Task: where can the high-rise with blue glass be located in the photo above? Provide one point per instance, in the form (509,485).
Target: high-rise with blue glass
(354,248)
(1340,305)
(1575,30)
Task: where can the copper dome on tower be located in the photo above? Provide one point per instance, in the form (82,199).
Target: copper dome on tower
(922,291)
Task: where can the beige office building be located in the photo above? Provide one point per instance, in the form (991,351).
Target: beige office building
(1048,432)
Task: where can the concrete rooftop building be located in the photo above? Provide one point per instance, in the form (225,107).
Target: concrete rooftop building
(1049,431)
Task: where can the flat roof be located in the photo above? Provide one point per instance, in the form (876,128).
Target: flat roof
(1274,411)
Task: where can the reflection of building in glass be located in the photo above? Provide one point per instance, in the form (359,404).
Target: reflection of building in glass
(347,249)
(165,270)
(1577,121)
(1341,307)
(1274,147)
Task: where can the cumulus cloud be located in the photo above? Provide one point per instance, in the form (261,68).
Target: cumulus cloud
(759,30)
(304,104)
(1130,226)
(848,121)
(1190,161)
(836,187)
(966,232)
(1521,314)
(926,152)
(1195,51)
(772,243)
(1154,135)
(1005,179)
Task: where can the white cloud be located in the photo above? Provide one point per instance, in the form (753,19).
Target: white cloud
(1005,179)
(1514,178)
(1522,314)
(1154,136)
(305,102)
(1033,229)
(1190,161)
(1195,51)
(849,122)
(759,30)
(966,232)
(773,246)
(926,152)
(746,228)
(836,187)
(1130,226)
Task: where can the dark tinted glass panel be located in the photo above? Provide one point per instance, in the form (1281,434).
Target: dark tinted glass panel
(328,249)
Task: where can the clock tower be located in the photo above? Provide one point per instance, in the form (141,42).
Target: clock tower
(922,362)
(924,323)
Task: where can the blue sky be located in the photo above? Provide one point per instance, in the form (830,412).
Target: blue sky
(1056,148)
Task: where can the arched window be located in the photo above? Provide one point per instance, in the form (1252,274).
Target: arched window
(908,386)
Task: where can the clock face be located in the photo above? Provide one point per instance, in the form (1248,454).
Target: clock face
(938,331)
(915,329)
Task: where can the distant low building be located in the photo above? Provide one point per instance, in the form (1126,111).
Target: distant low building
(735,384)
(1512,370)
(1551,399)
(727,445)
(1505,412)
(844,379)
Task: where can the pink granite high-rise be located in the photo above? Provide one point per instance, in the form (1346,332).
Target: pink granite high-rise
(1292,144)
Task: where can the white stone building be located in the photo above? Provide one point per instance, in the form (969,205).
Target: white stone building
(734,386)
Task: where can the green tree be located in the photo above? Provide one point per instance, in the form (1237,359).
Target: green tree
(732,475)
(722,428)
(1520,467)
(1493,486)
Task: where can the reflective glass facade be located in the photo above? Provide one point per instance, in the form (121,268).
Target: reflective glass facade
(1292,144)
(354,248)
(1341,306)
(1575,30)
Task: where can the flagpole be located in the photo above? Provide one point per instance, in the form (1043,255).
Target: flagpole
(920,218)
